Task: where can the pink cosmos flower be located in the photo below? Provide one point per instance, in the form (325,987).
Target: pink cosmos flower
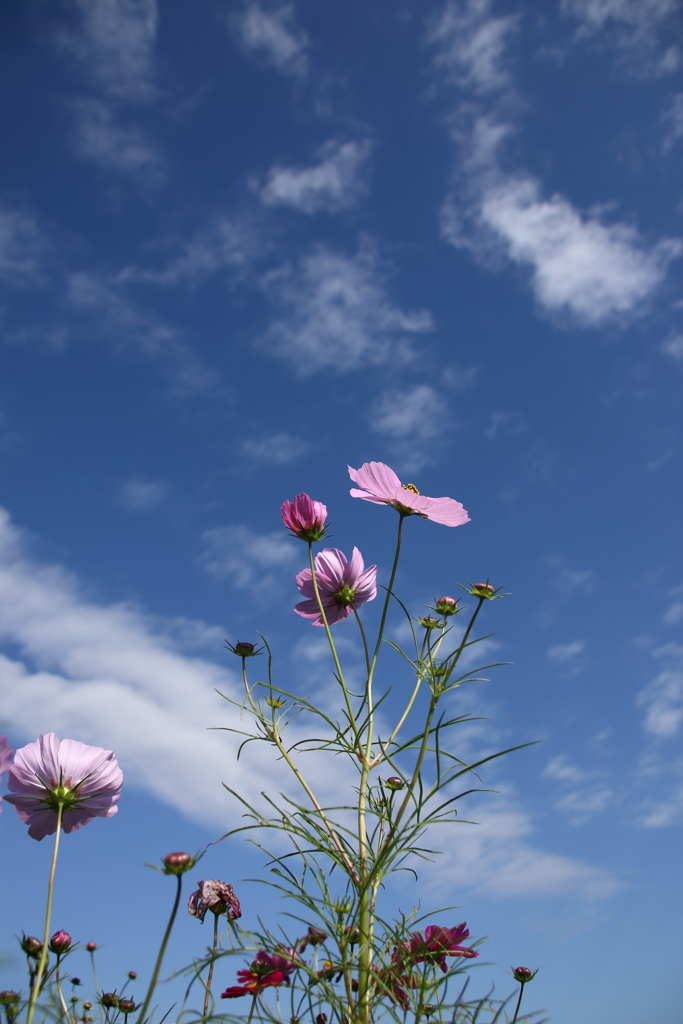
(433,946)
(343,586)
(85,780)
(266,970)
(381,485)
(216,896)
(305,517)
(5,759)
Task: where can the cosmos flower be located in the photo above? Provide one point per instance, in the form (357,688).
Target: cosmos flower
(85,780)
(5,759)
(433,946)
(267,970)
(343,586)
(305,517)
(380,484)
(218,897)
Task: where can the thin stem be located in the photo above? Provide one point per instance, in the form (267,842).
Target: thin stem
(48,914)
(385,609)
(251,1009)
(337,665)
(58,984)
(365,641)
(162,950)
(207,994)
(519,1001)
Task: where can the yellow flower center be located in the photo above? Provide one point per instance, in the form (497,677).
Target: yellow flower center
(410,487)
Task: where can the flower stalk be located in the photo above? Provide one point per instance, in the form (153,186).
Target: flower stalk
(37,981)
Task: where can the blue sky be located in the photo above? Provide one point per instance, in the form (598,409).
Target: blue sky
(245,244)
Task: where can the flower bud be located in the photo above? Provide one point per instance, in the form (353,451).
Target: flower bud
(91,947)
(305,518)
(127,1006)
(60,942)
(178,863)
(32,946)
(428,1009)
(76,981)
(132,975)
(8,997)
(321,1018)
(110,1000)
(523,974)
(393,782)
(354,984)
(87,1006)
(429,622)
(447,606)
(352,935)
(483,590)
(294,1020)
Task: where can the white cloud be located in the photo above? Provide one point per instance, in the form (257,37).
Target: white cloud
(643,31)
(274,35)
(412,419)
(334,183)
(674,614)
(674,346)
(276,450)
(673,120)
(22,246)
(566,654)
(139,495)
(560,768)
(663,700)
(114,40)
(338,315)
(596,272)
(570,580)
(255,562)
(470,44)
(669,811)
(582,804)
(113,145)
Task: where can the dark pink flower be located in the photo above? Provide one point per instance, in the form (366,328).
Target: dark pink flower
(305,517)
(218,897)
(85,780)
(342,585)
(267,970)
(381,485)
(5,759)
(433,946)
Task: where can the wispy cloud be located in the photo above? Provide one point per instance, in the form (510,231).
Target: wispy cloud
(337,314)
(470,44)
(674,614)
(674,346)
(255,562)
(114,41)
(276,450)
(412,419)
(561,769)
(569,580)
(335,182)
(672,118)
(663,703)
(22,247)
(505,423)
(138,495)
(643,32)
(569,657)
(99,135)
(272,33)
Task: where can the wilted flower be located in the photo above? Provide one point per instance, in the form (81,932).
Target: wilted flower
(178,863)
(86,781)
(305,517)
(60,942)
(381,485)
(267,970)
(343,586)
(5,759)
(433,947)
(218,897)
(523,974)
(31,946)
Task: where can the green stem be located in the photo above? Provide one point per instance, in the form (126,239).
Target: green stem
(162,950)
(385,609)
(48,914)
(251,1009)
(58,984)
(519,1001)
(207,994)
(365,640)
(323,616)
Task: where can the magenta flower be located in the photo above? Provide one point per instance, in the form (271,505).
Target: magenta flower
(5,759)
(218,897)
(85,780)
(305,517)
(267,970)
(433,946)
(381,485)
(343,586)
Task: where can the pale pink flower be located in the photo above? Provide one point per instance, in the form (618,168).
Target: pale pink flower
(305,517)
(85,780)
(5,759)
(381,485)
(343,586)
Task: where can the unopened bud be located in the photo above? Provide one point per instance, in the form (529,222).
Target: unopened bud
(354,984)
(127,1006)
(321,1018)
(87,1006)
(32,946)
(132,975)
(75,981)
(60,942)
(178,863)
(483,590)
(73,999)
(352,935)
(294,1020)
(428,1009)
(523,974)
(393,782)
(8,997)
(429,622)
(243,649)
(110,1000)
(91,947)
(447,606)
